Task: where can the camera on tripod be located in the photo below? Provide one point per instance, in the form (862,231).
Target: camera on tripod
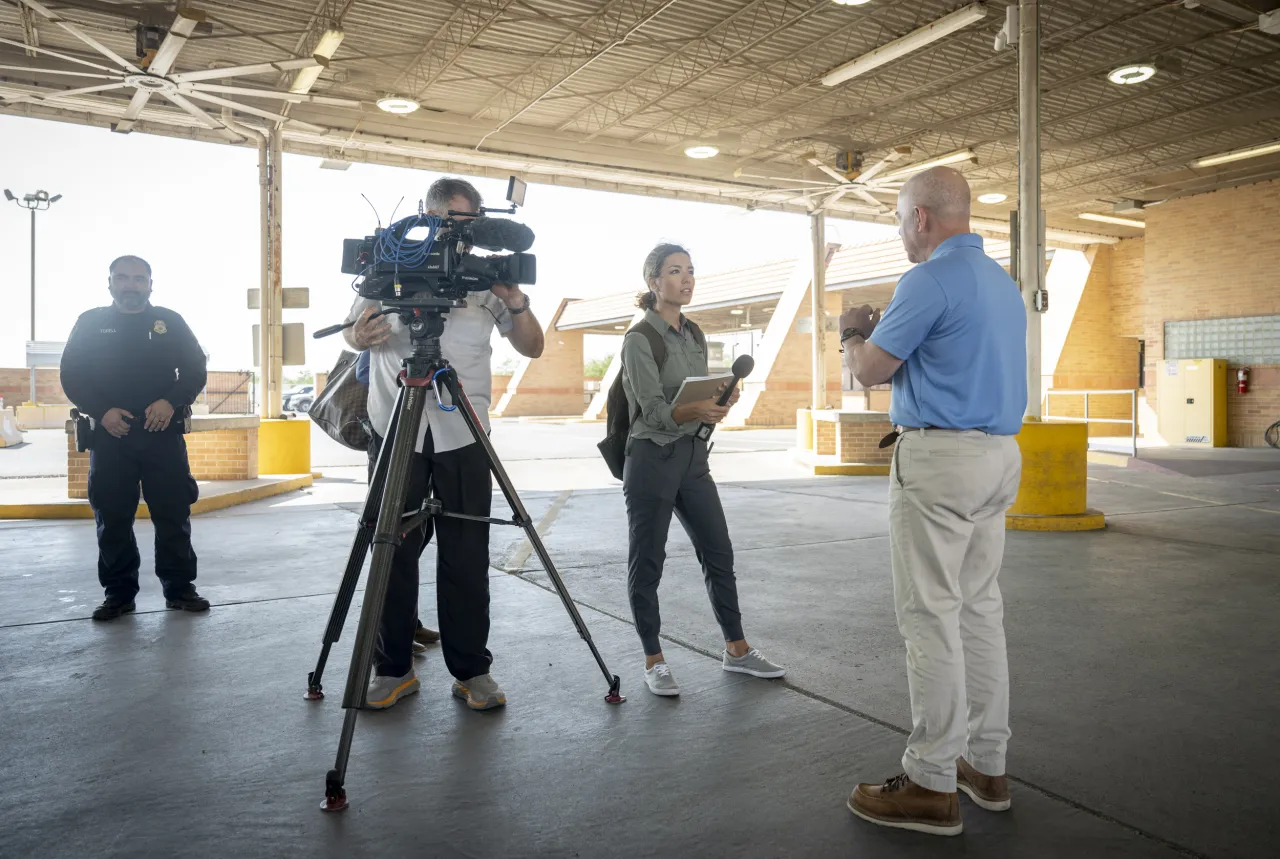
(399,263)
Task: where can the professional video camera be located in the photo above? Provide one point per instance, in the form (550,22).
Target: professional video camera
(393,267)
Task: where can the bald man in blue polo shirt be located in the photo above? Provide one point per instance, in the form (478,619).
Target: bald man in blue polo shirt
(953,342)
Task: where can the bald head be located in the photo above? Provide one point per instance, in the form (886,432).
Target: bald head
(933,206)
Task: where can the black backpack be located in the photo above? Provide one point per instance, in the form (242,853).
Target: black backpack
(617,422)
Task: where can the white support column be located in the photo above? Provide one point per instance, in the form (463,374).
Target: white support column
(270,321)
(1030,218)
(817,307)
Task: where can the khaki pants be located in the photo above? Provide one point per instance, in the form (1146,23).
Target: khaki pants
(948,493)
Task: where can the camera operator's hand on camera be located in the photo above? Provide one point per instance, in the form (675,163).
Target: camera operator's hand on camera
(367,332)
(158,416)
(510,294)
(114,422)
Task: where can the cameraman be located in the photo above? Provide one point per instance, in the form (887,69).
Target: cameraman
(449,465)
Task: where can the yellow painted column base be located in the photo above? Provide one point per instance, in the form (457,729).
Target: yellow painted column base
(1089,520)
(1055,471)
(284,446)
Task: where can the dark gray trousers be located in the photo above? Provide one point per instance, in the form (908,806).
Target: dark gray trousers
(659,480)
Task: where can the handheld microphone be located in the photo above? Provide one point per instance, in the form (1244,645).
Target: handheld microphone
(496,234)
(742,367)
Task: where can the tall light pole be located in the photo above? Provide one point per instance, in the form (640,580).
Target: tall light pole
(37,202)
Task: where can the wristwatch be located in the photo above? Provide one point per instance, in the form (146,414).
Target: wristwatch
(850,332)
(515,311)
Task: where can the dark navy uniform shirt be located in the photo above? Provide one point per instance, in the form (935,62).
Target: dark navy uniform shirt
(130,360)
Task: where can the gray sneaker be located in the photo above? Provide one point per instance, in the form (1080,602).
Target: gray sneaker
(752,663)
(481,692)
(659,680)
(386,691)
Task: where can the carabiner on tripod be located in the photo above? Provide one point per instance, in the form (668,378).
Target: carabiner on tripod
(435,383)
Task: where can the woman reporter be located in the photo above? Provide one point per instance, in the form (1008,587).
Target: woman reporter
(667,470)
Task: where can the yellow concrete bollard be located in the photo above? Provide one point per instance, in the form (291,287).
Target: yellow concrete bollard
(804,430)
(1053,493)
(284,446)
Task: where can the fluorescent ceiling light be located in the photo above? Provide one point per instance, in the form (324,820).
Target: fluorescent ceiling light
(916,39)
(850,2)
(1131,74)
(323,52)
(992,198)
(701,151)
(334,164)
(737,311)
(397,104)
(1112,219)
(745,325)
(619,328)
(940,161)
(328,44)
(1237,155)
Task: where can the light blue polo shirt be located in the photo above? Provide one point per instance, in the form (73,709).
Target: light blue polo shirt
(958,322)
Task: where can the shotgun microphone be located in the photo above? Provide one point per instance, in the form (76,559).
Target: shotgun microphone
(742,367)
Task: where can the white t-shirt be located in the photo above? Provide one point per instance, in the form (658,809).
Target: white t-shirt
(466,345)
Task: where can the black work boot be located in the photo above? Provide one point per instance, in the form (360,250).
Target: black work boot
(112,608)
(187,599)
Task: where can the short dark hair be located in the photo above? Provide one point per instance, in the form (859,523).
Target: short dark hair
(653,263)
(445,189)
(129,258)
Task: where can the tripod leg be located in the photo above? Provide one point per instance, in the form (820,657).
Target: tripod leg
(535,539)
(386,538)
(355,561)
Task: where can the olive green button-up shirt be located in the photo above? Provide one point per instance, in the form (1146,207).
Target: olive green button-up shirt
(652,392)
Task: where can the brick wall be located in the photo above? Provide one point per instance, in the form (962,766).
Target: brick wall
(1093,356)
(1211,256)
(227,454)
(789,386)
(551,384)
(854,438)
(1127,262)
(15,386)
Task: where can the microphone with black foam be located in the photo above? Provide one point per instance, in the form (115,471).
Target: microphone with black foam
(742,367)
(497,234)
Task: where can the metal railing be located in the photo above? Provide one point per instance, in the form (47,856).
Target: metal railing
(1133,411)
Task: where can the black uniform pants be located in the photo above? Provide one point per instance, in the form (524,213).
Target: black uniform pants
(461,480)
(658,480)
(157,460)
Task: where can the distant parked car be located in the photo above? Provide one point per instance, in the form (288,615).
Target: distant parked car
(289,400)
(302,403)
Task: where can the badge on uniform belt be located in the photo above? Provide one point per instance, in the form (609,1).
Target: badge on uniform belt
(159,327)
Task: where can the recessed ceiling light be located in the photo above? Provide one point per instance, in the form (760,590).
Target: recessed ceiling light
(1135,74)
(992,198)
(737,311)
(397,104)
(701,151)
(1112,219)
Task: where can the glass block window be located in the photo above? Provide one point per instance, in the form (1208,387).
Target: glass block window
(1242,340)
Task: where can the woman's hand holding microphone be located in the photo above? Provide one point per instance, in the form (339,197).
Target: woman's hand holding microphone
(707,411)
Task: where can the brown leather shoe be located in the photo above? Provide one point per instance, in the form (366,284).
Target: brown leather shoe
(903,804)
(424,636)
(988,791)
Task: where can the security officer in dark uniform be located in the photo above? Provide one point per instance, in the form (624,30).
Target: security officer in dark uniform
(134,370)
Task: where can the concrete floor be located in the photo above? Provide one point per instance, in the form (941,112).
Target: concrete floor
(1144,686)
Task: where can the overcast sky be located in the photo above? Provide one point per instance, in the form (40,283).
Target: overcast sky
(191,209)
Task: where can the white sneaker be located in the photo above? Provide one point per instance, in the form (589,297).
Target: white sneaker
(386,691)
(754,664)
(659,680)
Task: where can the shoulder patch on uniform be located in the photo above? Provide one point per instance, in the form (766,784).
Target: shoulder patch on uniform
(160,327)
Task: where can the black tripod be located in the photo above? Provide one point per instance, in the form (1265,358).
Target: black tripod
(383,524)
